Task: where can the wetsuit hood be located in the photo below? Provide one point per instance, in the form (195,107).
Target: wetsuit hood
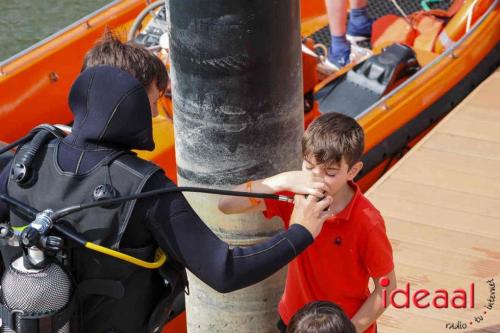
(110,109)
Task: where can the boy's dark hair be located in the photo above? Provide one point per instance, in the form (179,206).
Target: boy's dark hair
(332,136)
(320,317)
(134,59)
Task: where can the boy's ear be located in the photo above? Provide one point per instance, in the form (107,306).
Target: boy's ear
(354,170)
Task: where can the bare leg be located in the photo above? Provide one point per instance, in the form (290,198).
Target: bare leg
(337,14)
(358,3)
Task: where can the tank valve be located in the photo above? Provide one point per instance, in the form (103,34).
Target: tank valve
(38,228)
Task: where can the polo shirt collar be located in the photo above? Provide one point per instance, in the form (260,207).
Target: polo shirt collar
(345,214)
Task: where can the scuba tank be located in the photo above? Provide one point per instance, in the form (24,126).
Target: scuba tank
(36,291)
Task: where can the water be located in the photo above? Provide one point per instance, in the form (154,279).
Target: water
(25,22)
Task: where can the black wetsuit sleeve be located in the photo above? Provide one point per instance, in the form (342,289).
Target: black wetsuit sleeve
(4,177)
(184,236)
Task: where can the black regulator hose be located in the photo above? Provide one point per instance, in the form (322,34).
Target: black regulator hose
(33,148)
(30,212)
(21,207)
(21,171)
(16,143)
(76,208)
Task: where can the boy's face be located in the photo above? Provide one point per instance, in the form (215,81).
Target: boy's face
(335,175)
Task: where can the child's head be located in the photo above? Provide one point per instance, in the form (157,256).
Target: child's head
(320,317)
(136,60)
(332,147)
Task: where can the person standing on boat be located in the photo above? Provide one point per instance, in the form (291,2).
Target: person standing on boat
(359,28)
(352,247)
(112,102)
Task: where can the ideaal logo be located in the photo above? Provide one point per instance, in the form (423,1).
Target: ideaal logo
(439,299)
(423,298)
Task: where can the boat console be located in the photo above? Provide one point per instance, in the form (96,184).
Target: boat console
(363,85)
(153,34)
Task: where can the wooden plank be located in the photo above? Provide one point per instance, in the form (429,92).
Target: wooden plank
(422,214)
(446,160)
(437,238)
(483,130)
(486,98)
(473,112)
(463,145)
(439,197)
(446,178)
(445,261)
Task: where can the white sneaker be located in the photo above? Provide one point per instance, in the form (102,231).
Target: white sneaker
(359,53)
(325,66)
(356,39)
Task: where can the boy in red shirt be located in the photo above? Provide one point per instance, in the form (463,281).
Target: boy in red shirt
(352,246)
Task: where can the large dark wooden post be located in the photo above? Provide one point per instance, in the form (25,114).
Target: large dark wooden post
(238,105)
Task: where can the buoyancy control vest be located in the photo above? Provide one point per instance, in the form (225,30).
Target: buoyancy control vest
(127,297)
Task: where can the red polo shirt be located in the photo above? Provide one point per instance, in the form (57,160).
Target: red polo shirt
(351,248)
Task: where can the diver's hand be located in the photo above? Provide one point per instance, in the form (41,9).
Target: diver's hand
(300,182)
(311,213)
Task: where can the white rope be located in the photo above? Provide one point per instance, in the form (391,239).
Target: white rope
(402,12)
(469,16)
(322,48)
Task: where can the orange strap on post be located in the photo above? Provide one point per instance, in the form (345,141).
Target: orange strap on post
(253,201)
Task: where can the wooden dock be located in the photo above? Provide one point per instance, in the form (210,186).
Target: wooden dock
(441,204)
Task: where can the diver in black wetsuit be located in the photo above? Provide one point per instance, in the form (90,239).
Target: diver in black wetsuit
(112,115)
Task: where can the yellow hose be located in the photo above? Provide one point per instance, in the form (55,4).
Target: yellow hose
(160,256)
